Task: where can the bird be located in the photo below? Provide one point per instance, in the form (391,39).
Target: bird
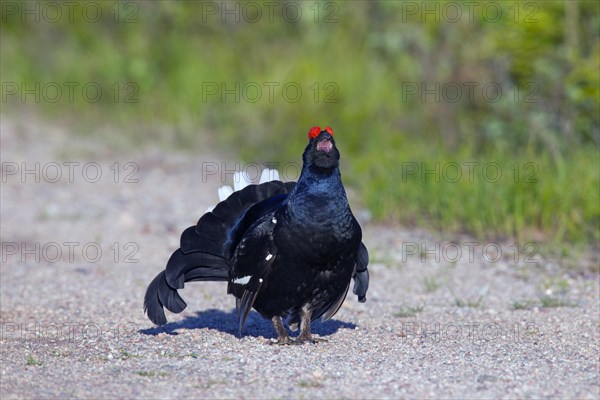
(289,250)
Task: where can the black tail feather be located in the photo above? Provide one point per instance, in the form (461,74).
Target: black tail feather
(169,297)
(212,232)
(207,236)
(206,274)
(153,307)
(205,250)
(182,266)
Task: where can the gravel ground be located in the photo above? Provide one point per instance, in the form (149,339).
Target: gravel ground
(472,325)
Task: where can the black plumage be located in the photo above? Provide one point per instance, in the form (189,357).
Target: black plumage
(288,250)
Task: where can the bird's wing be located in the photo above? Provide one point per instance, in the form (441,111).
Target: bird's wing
(332,308)
(252,262)
(361,284)
(361,276)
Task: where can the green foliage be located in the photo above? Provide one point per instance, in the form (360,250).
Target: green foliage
(524,304)
(555,301)
(520,89)
(33,362)
(410,311)
(498,193)
(431,284)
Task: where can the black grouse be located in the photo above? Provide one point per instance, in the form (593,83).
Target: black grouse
(288,250)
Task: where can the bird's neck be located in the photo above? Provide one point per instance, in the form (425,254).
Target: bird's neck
(319,218)
(319,194)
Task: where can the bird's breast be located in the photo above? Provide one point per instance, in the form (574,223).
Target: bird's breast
(320,235)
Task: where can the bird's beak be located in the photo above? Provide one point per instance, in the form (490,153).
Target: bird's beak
(325,145)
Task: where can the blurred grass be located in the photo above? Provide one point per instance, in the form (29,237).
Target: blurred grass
(365,58)
(527,196)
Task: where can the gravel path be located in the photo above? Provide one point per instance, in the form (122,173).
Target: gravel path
(462,326)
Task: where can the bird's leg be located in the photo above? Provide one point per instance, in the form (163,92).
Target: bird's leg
(282,335)
(305,335)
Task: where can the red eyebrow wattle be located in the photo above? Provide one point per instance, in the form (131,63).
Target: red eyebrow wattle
(314,132)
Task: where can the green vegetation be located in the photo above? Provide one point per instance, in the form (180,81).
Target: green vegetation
(310,383)
(545,301)
(33,362)
(125,355)
(487,123)
(524,304)
(431,284)
(151,374)
(146,373)
(555,301)
(460,302)
(407,312)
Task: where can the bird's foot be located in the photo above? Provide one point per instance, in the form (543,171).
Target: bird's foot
(309,339)
(282,341)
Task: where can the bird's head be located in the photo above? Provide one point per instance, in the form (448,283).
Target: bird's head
(321,152)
